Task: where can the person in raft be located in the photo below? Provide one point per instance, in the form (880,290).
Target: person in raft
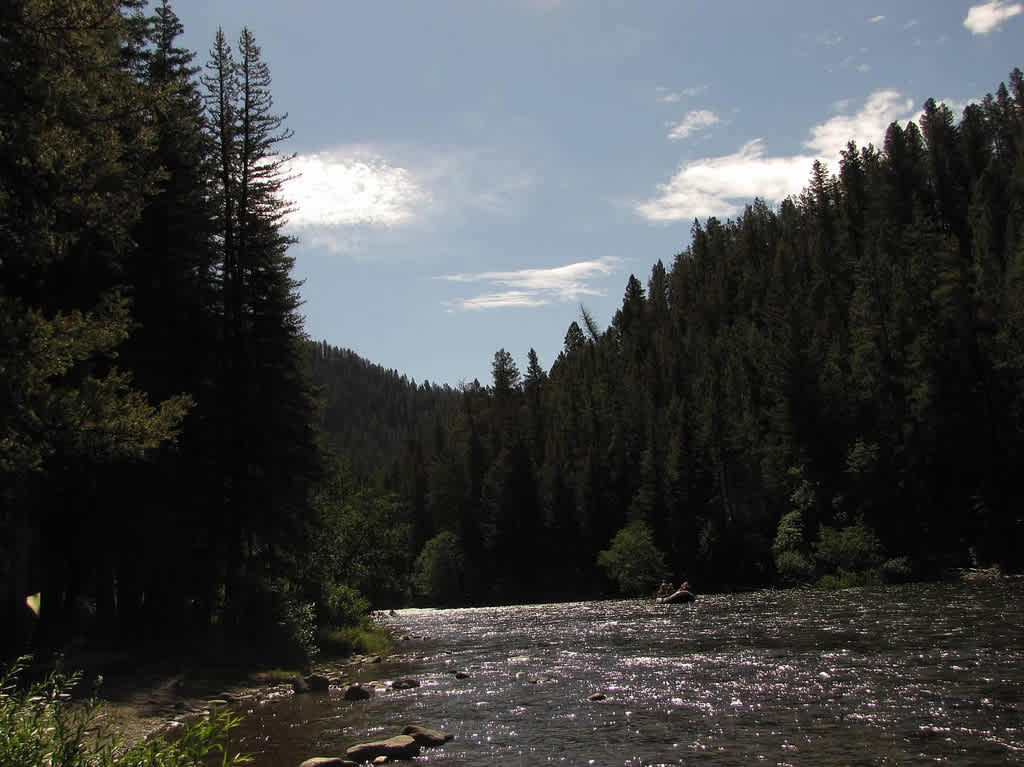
(666,589)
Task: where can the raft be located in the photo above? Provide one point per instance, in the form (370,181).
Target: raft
(679,596)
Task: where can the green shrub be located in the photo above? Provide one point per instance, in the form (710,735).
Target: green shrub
(439,576)
(280,624)
(342,605)
(793,567)
(898,570)
(855,548)
(40,725)
(633,561)
(366,638)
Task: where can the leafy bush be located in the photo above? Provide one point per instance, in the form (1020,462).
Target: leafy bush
(898,570)
(793,567)
(633,561)
(342,605)
(855,548)
(272,611)
(790,549)
(40,725)
(439,576)
(367,638)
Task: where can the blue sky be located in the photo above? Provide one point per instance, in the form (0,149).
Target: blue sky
(470,173)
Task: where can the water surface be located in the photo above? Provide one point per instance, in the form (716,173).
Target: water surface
(919,674)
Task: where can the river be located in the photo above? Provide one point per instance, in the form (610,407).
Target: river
(918,674)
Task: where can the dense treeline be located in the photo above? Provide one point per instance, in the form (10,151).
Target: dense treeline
(835,387)
(161,473)
(372,413)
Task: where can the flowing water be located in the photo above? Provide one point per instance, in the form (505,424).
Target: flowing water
(918,674)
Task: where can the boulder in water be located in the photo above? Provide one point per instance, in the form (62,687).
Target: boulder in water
(425,736)
(356,692)
(398,747)
(404,684)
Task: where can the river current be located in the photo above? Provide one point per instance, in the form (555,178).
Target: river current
(918,674)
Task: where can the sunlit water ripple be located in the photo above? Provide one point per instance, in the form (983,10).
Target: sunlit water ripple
(920,674)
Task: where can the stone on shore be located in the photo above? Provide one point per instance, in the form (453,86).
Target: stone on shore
(398,747)
(425,736)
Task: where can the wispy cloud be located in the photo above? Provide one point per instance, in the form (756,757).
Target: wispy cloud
(348,187)
(984,18)
(533,287)
(720,186)
(876,19)
(695,120)
(668,96)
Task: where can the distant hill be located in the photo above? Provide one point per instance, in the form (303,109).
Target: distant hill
(372,412)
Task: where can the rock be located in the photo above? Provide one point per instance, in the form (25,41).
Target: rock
(216,702)
(356,692)
(373,659)
(398,747)
(300,685)
(461,675)
(381,760)
(328,761)
(317,682)
(425,736)
(404,684)
(596,697)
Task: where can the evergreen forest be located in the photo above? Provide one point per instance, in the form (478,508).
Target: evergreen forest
(830,390)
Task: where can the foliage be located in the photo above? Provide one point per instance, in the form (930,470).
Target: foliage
(632,560)
(364,638)
(342,605)
(40,724)
(440,574)
(855,548)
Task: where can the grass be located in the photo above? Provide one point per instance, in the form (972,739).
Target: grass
(366,638)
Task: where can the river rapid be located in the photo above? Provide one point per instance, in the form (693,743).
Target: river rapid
(918,674)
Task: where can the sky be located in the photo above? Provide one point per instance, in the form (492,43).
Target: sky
(468,174)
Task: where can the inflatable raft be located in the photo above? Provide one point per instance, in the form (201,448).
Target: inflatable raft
(680,596)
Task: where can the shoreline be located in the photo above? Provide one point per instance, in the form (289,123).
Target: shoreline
(156,700)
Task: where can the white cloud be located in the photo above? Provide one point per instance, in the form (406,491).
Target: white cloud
(694,121)
(712,186)
(349,186)
(350,197)
(984,18)
(720,186)
(866,126)
(533,287)
(876,19)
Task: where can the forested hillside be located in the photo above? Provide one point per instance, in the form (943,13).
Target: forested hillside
(371,413)
(833,387)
